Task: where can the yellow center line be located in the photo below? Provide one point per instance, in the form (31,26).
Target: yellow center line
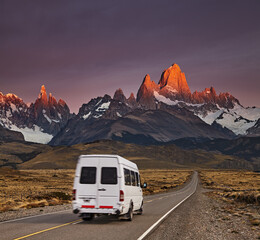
(48,229)
(155,199)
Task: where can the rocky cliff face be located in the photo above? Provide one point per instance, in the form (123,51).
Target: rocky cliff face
(132,101)
(145,94)
(174,79)
(255,130)
(173,84)
(13,109)
(49,114)
(209,95)
(119,96)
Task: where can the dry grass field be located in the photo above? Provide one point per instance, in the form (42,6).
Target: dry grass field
(240,189)
(34,188)
(163,180)
(38,188)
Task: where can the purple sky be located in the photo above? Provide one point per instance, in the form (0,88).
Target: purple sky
(83,49)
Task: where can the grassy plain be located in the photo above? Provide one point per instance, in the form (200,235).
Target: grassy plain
(38,188)
(163,180)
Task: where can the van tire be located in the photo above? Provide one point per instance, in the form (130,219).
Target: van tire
(140,211)
(130,213)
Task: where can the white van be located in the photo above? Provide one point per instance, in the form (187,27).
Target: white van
(107,184)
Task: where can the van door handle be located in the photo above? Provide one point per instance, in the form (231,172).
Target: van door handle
(101,189)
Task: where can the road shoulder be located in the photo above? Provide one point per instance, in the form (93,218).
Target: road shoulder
(201,217)
(23,213)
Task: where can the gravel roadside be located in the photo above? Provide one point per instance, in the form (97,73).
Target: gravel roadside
(21,213)
(201,217)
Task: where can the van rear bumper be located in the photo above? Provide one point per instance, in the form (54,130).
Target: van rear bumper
(100,211)
(117,211)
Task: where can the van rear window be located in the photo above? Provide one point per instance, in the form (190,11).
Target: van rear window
(127,177)
(88,175)
(109,175)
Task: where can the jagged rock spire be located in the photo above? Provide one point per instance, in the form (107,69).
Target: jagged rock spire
(175,79)
(145,94)
(43,95)
(119,95)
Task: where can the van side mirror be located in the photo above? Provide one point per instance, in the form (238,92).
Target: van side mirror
(144,185)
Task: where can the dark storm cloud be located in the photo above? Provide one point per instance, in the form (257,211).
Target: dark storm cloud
(81,49)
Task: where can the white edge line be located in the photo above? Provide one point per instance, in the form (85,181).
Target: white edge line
(14,220)
(164,216)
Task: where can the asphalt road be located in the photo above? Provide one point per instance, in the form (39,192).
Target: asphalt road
(66,225)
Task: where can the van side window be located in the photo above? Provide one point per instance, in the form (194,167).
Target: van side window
(109,175)
(137,179)
(88,175)
(133,178)
(127,177)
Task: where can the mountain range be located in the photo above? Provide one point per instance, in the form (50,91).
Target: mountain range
(160,113)
(38,121)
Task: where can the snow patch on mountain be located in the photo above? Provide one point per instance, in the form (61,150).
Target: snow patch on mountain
(103,107)
(34,134)
(250,113)
(56,121)
(4,121)
(47,118)
(13,107)
(97,116)
(211,116)
(234,123)
(86,116)
(237,119)
(168,101)
(8,113)
(163,99)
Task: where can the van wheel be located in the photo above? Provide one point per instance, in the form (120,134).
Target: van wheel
(140,211)
(130,213)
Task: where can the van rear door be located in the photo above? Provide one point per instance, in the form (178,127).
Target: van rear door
(87,185)
(108,183)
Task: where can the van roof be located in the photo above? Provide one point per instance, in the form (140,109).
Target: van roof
(120,159)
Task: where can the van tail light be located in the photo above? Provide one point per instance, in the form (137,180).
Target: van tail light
(74,194)
(121,196)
